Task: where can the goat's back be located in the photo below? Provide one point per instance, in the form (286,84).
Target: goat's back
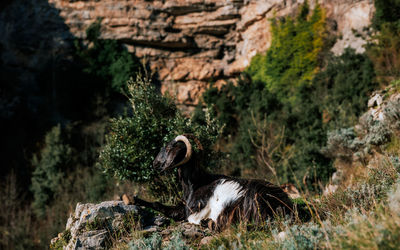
(260,200)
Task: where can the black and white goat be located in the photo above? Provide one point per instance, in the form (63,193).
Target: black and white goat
(206,196)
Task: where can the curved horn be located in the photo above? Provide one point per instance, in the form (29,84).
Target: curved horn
(188,154)
(194,138)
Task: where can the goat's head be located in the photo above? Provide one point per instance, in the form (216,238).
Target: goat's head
(174,154)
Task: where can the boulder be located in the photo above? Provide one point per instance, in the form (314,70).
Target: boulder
(93,226)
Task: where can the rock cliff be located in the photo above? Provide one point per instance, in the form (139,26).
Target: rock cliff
(192,42)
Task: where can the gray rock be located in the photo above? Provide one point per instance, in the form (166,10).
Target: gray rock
(91,225)
(90,240)
(87,214)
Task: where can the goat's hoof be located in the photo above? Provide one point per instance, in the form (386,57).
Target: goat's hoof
(126,200)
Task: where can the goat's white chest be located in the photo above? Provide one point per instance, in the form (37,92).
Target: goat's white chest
(224,193)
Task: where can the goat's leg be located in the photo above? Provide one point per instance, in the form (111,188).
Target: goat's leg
(174,212)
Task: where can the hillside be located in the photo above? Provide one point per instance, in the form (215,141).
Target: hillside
(362,200)
(302,94)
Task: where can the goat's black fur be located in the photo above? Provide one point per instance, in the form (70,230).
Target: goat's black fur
(260,199)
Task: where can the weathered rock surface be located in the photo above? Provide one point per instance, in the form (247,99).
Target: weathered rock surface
(187,42)
(192,42)
(96,226)
(91,225)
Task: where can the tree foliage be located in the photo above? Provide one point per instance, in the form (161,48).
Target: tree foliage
(106,59)
(277,119)
(294,55)
(342,89)
(50,166)
(134,140)
(384,45)
(384,50)
(386,11)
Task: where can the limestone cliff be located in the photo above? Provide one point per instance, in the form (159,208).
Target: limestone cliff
(191,42)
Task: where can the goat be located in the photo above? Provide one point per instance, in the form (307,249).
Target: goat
(217,199)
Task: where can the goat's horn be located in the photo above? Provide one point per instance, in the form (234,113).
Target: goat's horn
(185,140)
(194,138)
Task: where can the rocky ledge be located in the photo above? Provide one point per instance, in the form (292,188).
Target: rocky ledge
(188,43)
(99,226)
(192,42)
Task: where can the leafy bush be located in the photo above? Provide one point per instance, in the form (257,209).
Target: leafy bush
(252,111)
(50,167)
(342,89)
(372,133)
(386,11)
(384,50)
(384,45)
(135,140)
(294,55)
(306,236)
(341,143)
(153,242)
(336,97)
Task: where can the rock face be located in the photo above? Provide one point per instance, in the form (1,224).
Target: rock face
(351,17)
(91,225)
(192,42)
(99,226)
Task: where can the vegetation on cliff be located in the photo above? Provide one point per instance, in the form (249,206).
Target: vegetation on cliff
(293,103)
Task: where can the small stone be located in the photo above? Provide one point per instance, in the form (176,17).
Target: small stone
(206,240)
(281,236)
(166,232)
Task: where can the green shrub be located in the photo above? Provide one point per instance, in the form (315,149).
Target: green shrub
(153,242)
(342,89)
(306,236)
(294,55)
(386,11)
(135,139)
(341,143)
(50,167)
(384,45)
(63,240)
(235,106)
(258,121)
(384,51)
(372,133)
